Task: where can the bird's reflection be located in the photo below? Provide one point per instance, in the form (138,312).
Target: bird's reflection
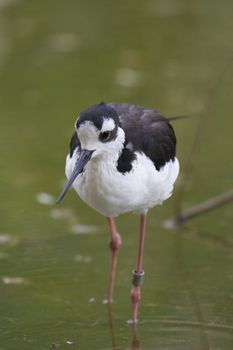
(111,326)
(135,343)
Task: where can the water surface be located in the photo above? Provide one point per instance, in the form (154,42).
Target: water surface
(57,58)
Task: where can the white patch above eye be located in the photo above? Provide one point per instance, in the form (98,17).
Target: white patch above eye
(86,132)
(86,125)
(108,125)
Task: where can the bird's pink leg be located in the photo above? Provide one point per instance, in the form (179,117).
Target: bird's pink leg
(138,273)
(114,245)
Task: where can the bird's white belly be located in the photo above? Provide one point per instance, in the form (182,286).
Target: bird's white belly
(112,193)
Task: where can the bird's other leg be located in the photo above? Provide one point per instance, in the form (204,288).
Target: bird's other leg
(138,273)
(114,245)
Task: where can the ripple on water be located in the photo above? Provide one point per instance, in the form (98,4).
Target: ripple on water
(4,238)
(14,280)
(82,259)
(171,324)
(127,77)
(75,227)
(9,240)
(64,213)
(83,229)
(45,198)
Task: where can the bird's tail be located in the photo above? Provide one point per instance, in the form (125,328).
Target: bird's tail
(177,117)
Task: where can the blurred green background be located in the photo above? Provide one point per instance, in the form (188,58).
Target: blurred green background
(57,58)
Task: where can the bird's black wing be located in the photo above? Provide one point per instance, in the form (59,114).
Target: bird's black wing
(146,131)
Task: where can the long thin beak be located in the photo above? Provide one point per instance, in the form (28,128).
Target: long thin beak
(84,157)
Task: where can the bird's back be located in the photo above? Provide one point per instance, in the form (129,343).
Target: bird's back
(147,131)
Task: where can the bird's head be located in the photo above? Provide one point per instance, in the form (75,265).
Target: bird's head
(98,131)
(100,137)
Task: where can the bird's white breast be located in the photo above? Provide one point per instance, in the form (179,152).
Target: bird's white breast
(112,193)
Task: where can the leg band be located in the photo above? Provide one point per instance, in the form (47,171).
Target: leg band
(138,278)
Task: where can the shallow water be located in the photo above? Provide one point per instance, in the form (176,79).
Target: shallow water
(56,59)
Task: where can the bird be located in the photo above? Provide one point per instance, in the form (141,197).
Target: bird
(122,159)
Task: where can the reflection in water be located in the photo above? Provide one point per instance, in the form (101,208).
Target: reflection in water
(135,343)
(111,325)
(53,61)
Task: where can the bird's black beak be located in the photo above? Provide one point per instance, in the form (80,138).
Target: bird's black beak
(84,157)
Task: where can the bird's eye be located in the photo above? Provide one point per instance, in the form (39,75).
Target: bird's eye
(104,136)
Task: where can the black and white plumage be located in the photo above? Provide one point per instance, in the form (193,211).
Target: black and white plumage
(122,158)
(132,164)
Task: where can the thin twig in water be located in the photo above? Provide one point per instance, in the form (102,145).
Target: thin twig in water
(199,209)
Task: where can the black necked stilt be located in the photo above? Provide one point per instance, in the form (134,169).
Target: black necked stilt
(122,158)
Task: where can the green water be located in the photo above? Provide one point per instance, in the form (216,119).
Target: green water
(56,58)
